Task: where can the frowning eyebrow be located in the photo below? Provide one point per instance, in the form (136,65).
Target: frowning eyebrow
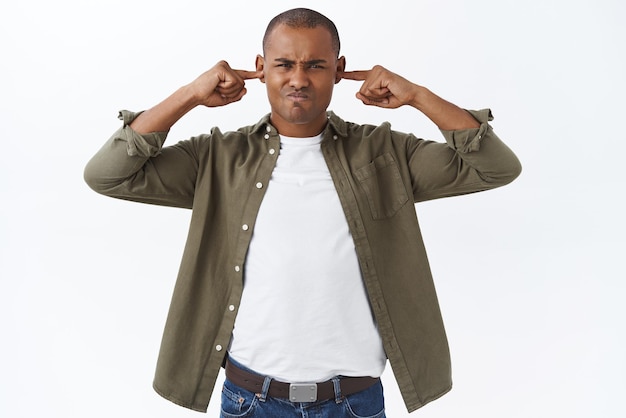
(310,62)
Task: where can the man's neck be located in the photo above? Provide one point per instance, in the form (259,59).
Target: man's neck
(304,130)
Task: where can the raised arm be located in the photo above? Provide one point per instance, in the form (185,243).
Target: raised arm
(134,165)
(473,158)
(384,88)
(218,86)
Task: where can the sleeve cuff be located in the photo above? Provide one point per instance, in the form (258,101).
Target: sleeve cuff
(140,145)
(468,140)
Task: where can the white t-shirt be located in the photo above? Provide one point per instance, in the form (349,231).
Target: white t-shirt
(304,314)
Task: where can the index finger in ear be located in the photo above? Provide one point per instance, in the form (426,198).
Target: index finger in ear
(248,75)
(359,75)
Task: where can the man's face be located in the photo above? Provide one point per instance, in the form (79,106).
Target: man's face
(300,70)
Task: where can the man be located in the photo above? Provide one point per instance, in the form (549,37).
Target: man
(304,269)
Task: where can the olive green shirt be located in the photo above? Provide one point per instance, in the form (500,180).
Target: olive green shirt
(378,173)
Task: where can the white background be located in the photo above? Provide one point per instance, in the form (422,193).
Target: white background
(530,276)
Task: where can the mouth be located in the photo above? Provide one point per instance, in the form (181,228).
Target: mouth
(297,97)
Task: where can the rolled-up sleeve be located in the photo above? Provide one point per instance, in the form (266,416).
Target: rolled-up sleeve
(146,145)
(134,166)
(471,160)
(468,140)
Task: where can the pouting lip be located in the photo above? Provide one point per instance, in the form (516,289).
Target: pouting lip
(298,97)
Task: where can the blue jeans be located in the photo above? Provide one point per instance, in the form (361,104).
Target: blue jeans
(238,403)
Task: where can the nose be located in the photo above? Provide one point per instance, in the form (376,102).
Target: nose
(299,78)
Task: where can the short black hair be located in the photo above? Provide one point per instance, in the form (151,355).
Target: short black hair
(303,18)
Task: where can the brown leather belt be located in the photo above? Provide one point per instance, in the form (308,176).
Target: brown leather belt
(308,392)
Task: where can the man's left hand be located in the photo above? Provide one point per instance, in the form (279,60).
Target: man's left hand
(382,87)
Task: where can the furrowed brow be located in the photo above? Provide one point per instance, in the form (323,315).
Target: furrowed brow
(311,62)
(315,62)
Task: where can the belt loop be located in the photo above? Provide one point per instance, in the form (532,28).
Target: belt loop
(265,389)
(337,386)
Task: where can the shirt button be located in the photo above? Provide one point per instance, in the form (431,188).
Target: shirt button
(335,137)
(268,129)
(218,347)
(267,136)
(272,151)
(237,269)
(245,227)
(231,308)
(259,185)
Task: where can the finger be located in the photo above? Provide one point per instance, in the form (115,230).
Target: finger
(249,75)
(227,93)
(374,96)
(384,103)
(359,75)
(230,98)
(229,88)
(237,97)
(375,91)
(371,100)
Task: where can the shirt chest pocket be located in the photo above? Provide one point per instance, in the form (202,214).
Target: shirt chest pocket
(383,186)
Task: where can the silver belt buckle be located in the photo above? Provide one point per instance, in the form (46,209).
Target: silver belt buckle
(302,392)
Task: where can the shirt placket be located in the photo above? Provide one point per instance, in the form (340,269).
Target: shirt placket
(257,187)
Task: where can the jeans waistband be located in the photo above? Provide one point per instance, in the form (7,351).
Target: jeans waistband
(296,392)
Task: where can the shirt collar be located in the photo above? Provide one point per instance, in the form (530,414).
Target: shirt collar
(335,123)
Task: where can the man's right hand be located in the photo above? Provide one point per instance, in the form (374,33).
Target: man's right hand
(218,86)
(221,85)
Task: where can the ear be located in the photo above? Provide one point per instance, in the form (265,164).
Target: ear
(341,67)
(260,66)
